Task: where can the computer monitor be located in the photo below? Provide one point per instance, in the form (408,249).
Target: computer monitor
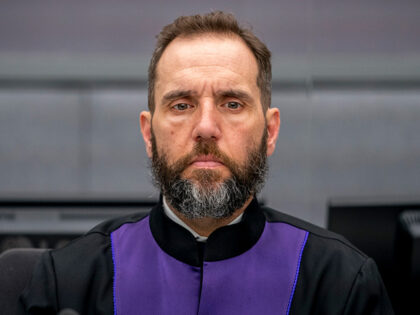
(51,222)
(370,223)
(407,262)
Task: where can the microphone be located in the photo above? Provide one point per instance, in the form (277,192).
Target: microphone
(68,311)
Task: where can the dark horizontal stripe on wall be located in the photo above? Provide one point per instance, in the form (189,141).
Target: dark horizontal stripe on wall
(72,84)
(277,85)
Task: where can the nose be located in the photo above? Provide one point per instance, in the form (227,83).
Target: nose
(207,122)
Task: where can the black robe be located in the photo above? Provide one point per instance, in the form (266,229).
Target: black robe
(269,263)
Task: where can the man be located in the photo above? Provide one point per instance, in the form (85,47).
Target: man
(208,247)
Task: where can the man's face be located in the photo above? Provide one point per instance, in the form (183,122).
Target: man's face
(208,120)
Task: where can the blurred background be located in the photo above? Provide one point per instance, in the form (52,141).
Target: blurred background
(346,77)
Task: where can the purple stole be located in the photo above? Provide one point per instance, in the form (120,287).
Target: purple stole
(262,280)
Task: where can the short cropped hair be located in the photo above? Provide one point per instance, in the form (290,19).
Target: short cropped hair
(214,22)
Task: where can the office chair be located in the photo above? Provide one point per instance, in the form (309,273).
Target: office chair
(16,266)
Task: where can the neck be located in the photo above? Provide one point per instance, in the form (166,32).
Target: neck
(206,226)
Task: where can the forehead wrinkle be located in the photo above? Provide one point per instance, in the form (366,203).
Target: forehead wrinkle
(210,69)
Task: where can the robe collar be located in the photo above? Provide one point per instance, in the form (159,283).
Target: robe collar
(199,238)
(225,242)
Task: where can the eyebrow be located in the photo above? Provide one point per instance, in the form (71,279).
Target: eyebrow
(239,94)
(173,95)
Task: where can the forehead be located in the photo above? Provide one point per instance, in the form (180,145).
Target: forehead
(217,59)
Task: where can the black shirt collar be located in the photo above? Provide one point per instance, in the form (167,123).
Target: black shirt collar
(226,242)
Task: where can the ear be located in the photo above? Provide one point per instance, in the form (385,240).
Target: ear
(146,131)
(272,116)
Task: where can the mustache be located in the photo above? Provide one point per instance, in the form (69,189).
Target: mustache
(204,147)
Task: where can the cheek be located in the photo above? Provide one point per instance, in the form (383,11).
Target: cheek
(166,132)
(247,130)
(174,127)
(242,140)
(172,142)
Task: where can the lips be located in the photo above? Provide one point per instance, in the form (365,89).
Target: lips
(206,161)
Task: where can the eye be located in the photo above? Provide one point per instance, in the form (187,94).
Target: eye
(181,106)
(233,105)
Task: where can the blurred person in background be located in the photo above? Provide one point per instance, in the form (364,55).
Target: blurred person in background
(208,247)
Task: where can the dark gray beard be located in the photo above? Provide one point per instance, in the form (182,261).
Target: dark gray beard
(207,197)
(195,201)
